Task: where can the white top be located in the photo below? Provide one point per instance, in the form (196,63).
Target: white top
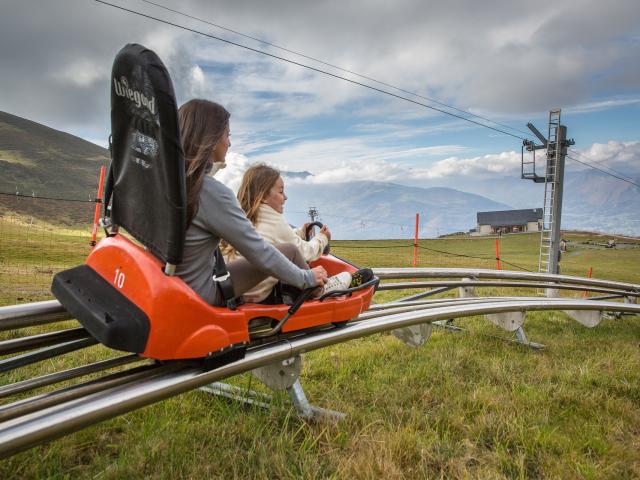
(274,229)
(220,216)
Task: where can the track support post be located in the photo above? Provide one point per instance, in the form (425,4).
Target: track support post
(509,321)
(278,376)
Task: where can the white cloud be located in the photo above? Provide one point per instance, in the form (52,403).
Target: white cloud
(507,59)
(602,105)
(324,154)
(621,156)
(502,164)
(232,174)
(198,81)
(354,166)
(81,72)
(506,163)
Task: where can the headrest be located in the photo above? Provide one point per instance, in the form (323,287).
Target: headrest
(147,165)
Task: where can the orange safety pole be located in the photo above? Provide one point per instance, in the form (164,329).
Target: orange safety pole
(584,294)
(96,213)
(415,241)
(497,254)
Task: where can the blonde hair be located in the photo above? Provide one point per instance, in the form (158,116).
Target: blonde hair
(256,184)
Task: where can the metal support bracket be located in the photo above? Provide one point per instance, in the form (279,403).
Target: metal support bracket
(414,336)
(278,376)
(509,321)
(306,410)
(588,318)
(417,335)
(448,325)
(520,338)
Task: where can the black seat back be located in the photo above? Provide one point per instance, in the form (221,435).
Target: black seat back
(147,176)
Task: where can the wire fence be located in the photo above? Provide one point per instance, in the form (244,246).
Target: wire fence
(41,236)
(467,252)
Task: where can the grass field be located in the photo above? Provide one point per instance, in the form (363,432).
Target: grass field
(462,406)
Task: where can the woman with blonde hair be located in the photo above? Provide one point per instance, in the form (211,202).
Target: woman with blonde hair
(261,196)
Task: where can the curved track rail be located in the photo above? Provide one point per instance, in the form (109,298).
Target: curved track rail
(37,419)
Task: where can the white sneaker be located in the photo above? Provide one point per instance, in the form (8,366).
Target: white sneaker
(340,281)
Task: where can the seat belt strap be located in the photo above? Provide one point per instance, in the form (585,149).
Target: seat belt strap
(223,278)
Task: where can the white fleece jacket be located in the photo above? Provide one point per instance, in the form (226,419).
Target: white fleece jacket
(274,229)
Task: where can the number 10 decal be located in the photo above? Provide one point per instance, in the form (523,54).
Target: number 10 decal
(118,280)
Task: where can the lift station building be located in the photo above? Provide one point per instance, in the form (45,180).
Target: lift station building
(509,221)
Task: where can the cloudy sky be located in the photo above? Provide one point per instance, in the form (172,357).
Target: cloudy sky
(509,61)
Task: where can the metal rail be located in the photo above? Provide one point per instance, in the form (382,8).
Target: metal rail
(30,314)
(61,338)
(38,313)
(45,353)
(57,377)
(44,400)
(42,340)
(399,273)
(52,422)
(393,307)
(451,301)
(504,284)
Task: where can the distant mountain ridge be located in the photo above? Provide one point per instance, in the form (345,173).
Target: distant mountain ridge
(592,200)
(370,210)
(596,201)
(38,160)
(303,174)
(35,159)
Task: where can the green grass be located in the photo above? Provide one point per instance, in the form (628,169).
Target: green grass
(31,251)
(462,406)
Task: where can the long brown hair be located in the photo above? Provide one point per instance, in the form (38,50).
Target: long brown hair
(202,123)
(256,184)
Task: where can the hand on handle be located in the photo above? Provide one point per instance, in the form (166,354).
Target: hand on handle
(320,275)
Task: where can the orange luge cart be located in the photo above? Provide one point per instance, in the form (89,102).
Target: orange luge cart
(125,294)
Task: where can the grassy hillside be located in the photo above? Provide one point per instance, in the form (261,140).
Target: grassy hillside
(35,159)
(462,406)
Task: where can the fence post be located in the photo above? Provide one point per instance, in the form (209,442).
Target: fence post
(584,294)
(497,254)
(96,213)
(415,242)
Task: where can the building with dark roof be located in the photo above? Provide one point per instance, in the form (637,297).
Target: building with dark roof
(509,221)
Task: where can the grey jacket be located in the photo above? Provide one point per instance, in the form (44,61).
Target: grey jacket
(220,216)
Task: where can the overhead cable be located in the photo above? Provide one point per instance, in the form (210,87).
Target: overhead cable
(308,57)
(591,160)
(604,171)
(246,47)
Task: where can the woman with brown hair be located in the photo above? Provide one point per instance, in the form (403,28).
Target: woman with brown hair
(213,213)
(261,196)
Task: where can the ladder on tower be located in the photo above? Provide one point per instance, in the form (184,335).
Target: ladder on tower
(550,191)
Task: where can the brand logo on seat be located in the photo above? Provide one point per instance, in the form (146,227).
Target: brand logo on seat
(122,89)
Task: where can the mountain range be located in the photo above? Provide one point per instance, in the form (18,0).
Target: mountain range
(370,210)
(38,160)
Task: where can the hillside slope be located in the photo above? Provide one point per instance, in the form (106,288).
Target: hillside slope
(35,159)
(39,161)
